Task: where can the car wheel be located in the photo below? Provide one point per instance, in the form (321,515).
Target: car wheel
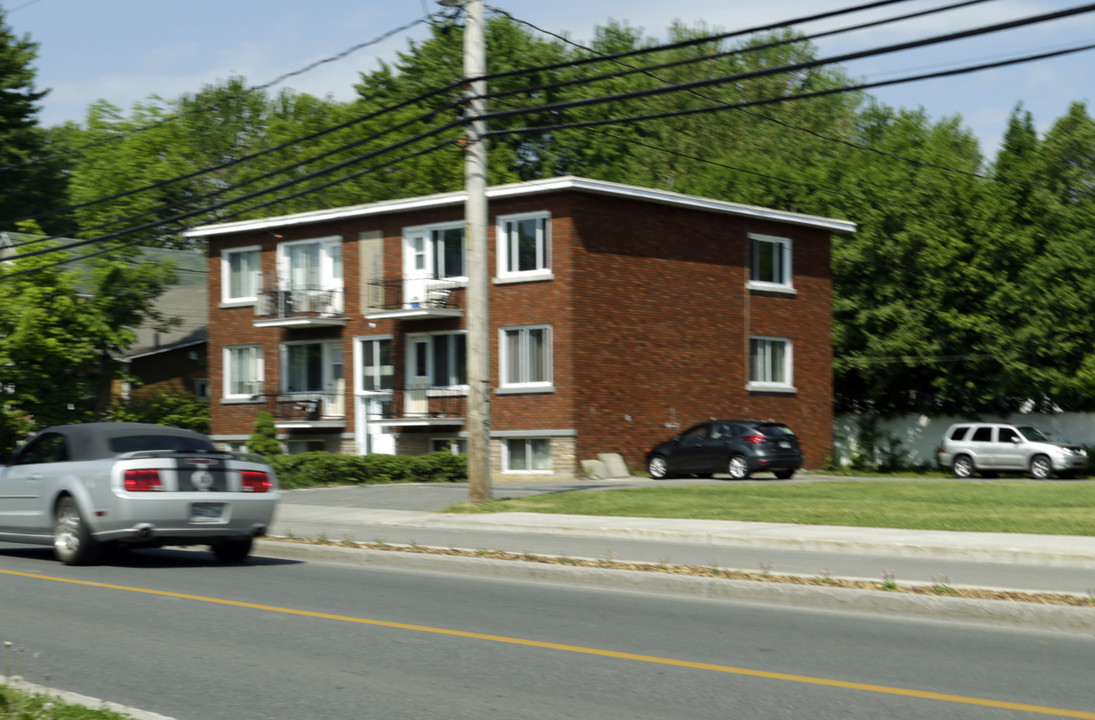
(738,467)
(784,474)
(963,467)
(72,543)
(658,467)
(1041,468)
(232,550)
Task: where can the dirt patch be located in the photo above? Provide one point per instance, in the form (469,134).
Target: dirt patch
(940,589)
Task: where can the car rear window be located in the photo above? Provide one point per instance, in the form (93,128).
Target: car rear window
(775,430)
(181,443)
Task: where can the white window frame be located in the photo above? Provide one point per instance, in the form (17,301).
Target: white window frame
(231,372)
(426,259)
(769,380)
(329,349)
(507,456)
(508,249)
(226,275)
(522,382)
(431,340)
(360,373)
(330,266)
(783,281)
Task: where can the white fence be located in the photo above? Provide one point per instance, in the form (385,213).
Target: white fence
(916,438)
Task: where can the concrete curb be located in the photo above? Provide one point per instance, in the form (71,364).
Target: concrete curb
(71,698)
(991,612)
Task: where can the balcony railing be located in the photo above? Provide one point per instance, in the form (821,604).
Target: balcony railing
(435,406)
(305,302)
(307,407)
(414,293)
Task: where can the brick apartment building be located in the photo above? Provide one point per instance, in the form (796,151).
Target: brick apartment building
(618,314)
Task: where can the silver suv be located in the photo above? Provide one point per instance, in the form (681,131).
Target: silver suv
(988,448)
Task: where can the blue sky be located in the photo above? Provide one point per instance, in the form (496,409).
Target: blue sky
(124,51)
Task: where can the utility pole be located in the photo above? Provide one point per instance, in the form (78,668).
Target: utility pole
(475,243)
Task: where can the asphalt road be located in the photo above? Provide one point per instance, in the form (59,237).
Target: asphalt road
(173,632)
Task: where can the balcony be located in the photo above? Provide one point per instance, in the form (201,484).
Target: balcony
(415,406)
(414,298)
(307,410)
(300,307)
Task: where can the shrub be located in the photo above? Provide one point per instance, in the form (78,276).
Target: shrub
(181,410)
(323,468)
(264,438)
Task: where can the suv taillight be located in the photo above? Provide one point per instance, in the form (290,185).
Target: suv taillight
(255,481)
(757,439)
(142,480)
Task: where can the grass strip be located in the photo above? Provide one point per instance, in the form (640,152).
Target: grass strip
(1046,508)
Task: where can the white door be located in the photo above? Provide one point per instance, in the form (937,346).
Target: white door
(419,361)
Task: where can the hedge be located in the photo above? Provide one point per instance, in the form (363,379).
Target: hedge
(323,468)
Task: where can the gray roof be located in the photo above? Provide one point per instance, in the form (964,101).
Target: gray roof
(186,302)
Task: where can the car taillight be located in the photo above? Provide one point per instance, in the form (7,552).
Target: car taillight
(142,480)
(757,439)
(255,481)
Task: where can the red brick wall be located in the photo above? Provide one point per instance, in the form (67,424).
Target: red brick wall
(649,313)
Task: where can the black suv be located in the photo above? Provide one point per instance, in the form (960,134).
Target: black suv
(737,447)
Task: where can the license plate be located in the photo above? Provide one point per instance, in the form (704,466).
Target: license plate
(785,445)
(206,512)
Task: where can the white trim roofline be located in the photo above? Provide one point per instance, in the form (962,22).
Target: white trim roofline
(533,187)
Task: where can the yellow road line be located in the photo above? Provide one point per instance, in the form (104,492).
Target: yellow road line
(825,682)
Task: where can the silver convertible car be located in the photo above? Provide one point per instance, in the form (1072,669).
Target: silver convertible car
(86,488)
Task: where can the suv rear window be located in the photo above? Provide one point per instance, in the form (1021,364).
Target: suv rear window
(181,443)
(959,433)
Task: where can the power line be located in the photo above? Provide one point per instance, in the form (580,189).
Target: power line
(311,66)
(791,126)
(135,243)
(258,193)
(391,128)
(647,70)
(860,54)
(770,101)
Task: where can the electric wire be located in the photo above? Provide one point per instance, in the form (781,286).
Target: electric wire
(135,243)
(791,126)
(542,129)
(220,191)
(795,67)
(314,135)
(647,70)
(205,108)
(570,64)
(781,99)
(255,194)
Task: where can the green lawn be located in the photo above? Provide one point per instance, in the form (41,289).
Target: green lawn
(1053,508)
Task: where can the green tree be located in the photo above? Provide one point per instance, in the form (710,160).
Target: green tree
(29,185)
(60,326)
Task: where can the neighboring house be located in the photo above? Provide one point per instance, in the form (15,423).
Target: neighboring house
(618,316)
(160,362)
(175,361)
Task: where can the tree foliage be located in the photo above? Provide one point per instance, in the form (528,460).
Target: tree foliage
(27,187)
(966,289)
